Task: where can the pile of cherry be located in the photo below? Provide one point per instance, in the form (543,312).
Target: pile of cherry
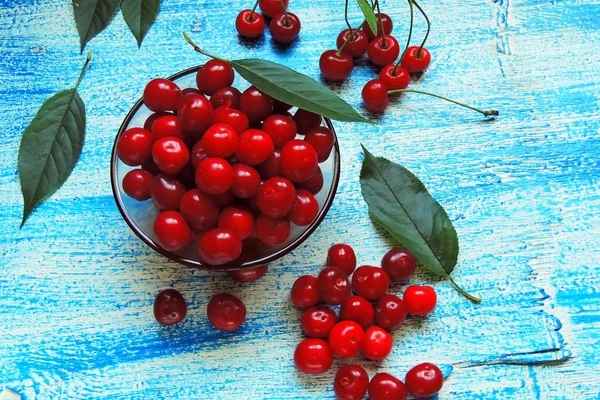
(284,25)
(361,327)
(226,170)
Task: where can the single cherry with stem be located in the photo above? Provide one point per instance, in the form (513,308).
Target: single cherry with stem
(285,26)
(383,49)
(416,59)
(250,24)
(354,40)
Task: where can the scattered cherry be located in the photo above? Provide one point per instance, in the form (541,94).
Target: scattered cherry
(394,77)
(305,208)
(270,8)
(375,96)
(169,307)
(377,344)
(226,95)
(370,282)
(220,246)
(200,210)
(351,382)
(382,52)
(342,256)
(214,75)
(384,19)
(346,339)
(318,321)
(137,184)
(226,312)
(135,146)
(248,274)
(399,264)
(357,309)
(424,380)
(250,24)
(272,231)
(384,386)
(335,65)
(419,300)
(162,95)
(285,27)
(390,312)
(414,61)
(333,286)
(172,231)
(357,46)
(313,356)
(305,292)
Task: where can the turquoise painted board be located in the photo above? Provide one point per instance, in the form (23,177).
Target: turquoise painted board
(523,191)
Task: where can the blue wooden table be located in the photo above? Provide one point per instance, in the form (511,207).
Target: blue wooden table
(523,191)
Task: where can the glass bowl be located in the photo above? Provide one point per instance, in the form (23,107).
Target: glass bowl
(140,215)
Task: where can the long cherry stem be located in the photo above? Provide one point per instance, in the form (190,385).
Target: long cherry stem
(199,50)
(412,17)
(353,32)
(384,42)
(418,54)
(346,16)
(287,21)
(487,113)
(251,17)
(87,61)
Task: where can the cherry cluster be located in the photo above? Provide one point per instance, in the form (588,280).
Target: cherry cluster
(284,25)
(222,166)
(361,326)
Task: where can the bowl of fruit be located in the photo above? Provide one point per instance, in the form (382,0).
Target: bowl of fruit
(213,173)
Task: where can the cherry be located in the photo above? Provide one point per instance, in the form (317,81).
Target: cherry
(171,230)
(250,24)
(166,126)
(399,264)
(162,95)
(306,120)
(318,321)
(152,118)
(272,166)
(357,46)
(198,154)
(214,175)
(351,383)
(256,104)
(276,197)
(134,146)
(313,356)
(255,146)
(226,312)
(239,220)
(384,19)
(220,140)
(357,309)
(166,192)
(227,95)
(214,75)
(195,113)
(249,274)
(382,52)
(333,286)
(394,77)
(272,231)
(370,282)
(304,292)
(377,343)
(219,246)
(137,184)
(424,380)
(170,154)
(336,65)
(225,199)
(246,181)
(342,256)
(281,128)
(346,339)
(414,61)
(314,184)
(299,160)
(375,96)
(190,90)
(270,8)
(420,300)
(285,27)
(305,209)
(384,386)
(279,107)
(169,307)
(322,140)
(200,210)
(390,312)
(230,116)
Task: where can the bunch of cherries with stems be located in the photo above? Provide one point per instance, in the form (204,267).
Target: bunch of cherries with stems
(284,25)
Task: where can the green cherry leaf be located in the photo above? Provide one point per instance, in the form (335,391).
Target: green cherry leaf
(92,16)
(139,16)
(369,14)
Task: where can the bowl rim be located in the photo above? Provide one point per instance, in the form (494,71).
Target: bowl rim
(308,230)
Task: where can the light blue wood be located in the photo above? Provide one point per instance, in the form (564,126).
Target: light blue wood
(523,192)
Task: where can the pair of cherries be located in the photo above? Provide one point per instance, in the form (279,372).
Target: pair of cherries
(284,25)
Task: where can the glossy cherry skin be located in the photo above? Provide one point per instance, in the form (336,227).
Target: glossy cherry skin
(370,282)
(375,96)
(249,274)
(351,383)
(198,154)
(256,104)
(382,54)
(414,62)
(227,95)
(399,264)
(357,309)
(285,30)
(336,67)
(220,246)
(200,210)
(271,8)
(276,197)
(314,184)
(162,95)
(137,184)
(318,321)
(166,126)
(170,154)
(190,90)
(299,160)
(390,312)
(305,209)
(384,386)
(214,175)
(230,116)
(195,113)
(313,356)
(153,117)
(250,25)
(134,146)
(342,256)
(322,140)
(395,78)
(220,140)
(306,120)
(241,221)
(281,128)
(272,231)
(357,46)
(305,292)
(226,312)
(346,339)
(272,166)
(172,231)
(333,286)
(246,181)
(419,300)
(255,147)
(377,344)
(214,75)
(424,380)
(388,26)
(169,307)
(166,192)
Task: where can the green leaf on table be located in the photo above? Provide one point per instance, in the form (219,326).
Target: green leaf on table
(92,16)
(296,89)
(369,14)
(139,16)
(399,202)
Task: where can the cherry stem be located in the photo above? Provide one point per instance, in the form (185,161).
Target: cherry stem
(384,42)
(412,17)
(287,21)
(460,290)
(418,53)
(487,113)
(251,17)
(346,16)
(87,61)
(199,50)
(352,34)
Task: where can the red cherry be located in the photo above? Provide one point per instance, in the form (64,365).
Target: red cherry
(249,274)
(220,140)
(226,312)
(305,209)
(357,46)
(271,8)
(227,95)
(322,140)
(171,230)
(357,309)
(384,386)
(281,128)
(419,300)
(162,95)
(351,383)
(394,77)
(304,292)
(370,282)
(336,67)
(276,197)
(381,53)
(220,246)
(134,146)
(318,321)
(375,96)
(342,256)
(299,160)
(198,154)
(166,126)
(225,199)
(313,356)
(166,192)
(272,231)
(284,29)
(170,154)
(314,184)
(190,90)
(255,147)
(272,166)
(152,119)
(399,264)
(239,220)
(388,26)
(377,343)
(424,380)
(230,116)
(246,181)
(137,184)
(415,62)
(250,25)
(214,75)
(169,307)
(279,107)
(195,113)
(199,210)
(256,104)
(306,120)
(390,312)
(346,339)
(333,285)
(214,175)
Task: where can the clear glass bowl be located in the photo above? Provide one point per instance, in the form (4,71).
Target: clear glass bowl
(140,215)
